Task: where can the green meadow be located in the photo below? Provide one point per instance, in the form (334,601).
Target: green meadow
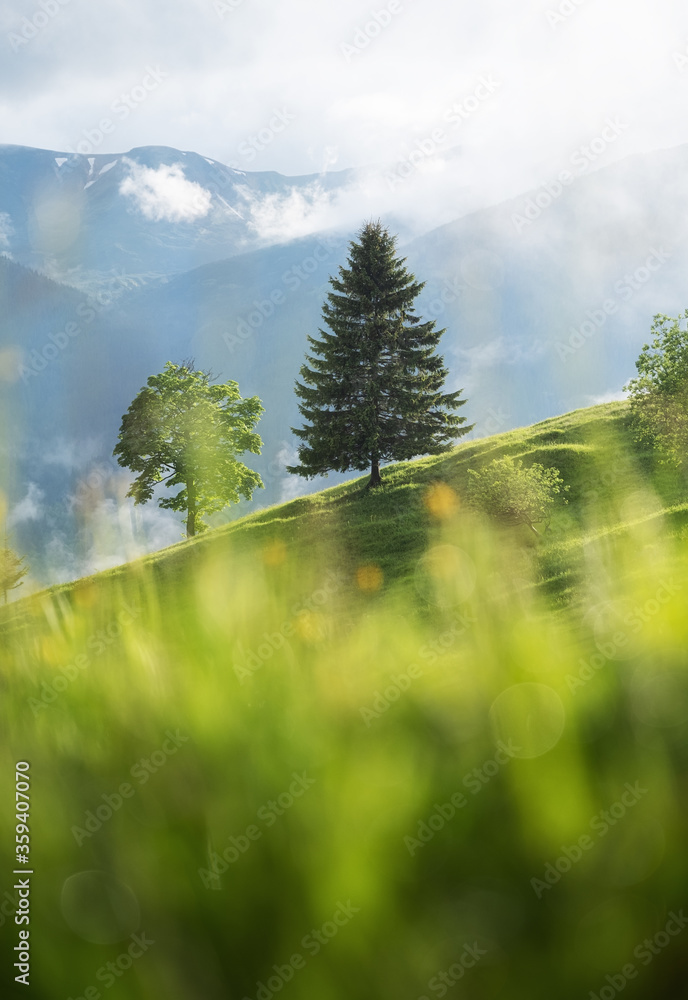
(368,745)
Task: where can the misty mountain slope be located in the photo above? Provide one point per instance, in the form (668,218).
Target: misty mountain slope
(64,358)
(58,343)
(527,285)
(523,302)
(129,219)
(546,300)
(248,318)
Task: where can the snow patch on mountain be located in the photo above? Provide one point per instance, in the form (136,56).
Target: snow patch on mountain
(229,207)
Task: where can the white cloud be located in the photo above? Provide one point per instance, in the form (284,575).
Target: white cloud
(558,83)
(612,396)
(30,508)
(62,562)
(72,454)
(276,217)
(428,197)
(501,351)
(122,532)
(290,486)
(113,533)
(6,230)
(165,195)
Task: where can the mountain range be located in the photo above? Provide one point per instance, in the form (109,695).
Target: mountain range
(113,264)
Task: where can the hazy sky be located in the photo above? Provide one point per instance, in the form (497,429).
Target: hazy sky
(514,87)
(443,106)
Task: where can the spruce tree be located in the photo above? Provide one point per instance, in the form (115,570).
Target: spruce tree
(372,389)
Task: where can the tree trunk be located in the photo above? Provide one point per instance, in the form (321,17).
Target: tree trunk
(375,478)
(191,509)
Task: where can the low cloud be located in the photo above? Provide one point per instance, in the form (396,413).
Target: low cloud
(501,351)
(29,508)
(6,230)
(114,533)
(291,486)
(278,217)
(428,197)
(612,396)
(165,195)
(72,454)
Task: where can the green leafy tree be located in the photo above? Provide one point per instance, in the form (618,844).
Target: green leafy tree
(513,494)
(659,394)
(12,571)
(372,389)
(182,430)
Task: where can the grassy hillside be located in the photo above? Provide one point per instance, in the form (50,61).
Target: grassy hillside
(368,745)
(612,486)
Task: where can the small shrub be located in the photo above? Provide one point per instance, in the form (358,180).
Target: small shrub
(513,494)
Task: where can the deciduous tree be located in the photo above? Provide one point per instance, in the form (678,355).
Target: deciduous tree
(181,430)
(513,494)
(12,571)
(659,393)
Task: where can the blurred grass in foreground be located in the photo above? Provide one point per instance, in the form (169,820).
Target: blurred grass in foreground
(310,775)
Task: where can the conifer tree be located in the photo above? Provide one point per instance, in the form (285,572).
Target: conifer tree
(372,389)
